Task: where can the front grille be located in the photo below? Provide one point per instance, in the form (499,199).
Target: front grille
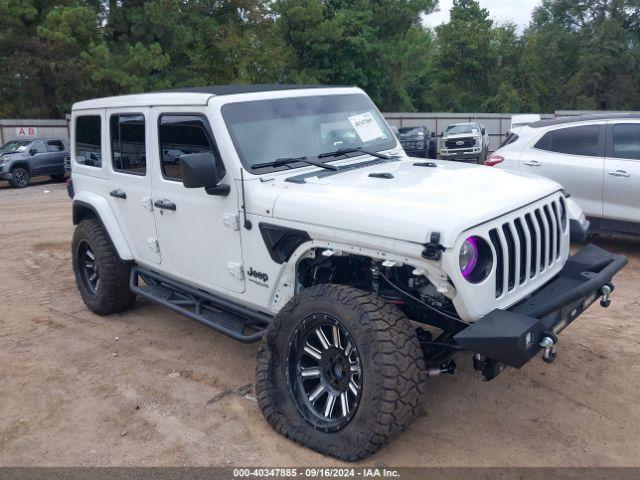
(455,143)
(527,245)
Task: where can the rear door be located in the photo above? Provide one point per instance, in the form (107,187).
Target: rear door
(130,179)
(574,157)
(55,156)
(622,171)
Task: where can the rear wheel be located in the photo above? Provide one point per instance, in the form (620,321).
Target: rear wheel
(102,277)
(340,371)
(20,177)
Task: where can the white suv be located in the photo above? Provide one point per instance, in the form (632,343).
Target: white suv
(291,215)
(596,158)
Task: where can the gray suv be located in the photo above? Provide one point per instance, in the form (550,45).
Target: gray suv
(20,160)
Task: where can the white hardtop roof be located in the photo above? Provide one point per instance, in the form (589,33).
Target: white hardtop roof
(186,96)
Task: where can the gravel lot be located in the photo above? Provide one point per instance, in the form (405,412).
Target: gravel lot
(151,388)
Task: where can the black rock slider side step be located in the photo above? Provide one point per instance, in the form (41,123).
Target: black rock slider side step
(222,315)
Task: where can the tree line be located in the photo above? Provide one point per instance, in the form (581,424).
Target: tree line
(574,54)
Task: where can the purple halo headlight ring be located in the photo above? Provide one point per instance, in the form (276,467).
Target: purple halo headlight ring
(469,257)
(475,259)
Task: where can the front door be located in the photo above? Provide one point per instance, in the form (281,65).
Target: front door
(130,179)
(622,172)
(199,233)
(39,158)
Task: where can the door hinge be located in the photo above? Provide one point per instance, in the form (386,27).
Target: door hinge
(153,244)
(231,220)
(433,249)
(236,269)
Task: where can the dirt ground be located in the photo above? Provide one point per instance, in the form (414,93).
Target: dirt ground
(151,388)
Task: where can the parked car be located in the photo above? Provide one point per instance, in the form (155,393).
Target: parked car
(464,141)
(20,160)
(521,120)
(595,157)
(418,141)
(295,218)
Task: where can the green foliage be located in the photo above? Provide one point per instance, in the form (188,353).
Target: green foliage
(582,54)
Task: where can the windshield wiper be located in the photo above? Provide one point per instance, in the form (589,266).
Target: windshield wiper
(280,162)
(344,151)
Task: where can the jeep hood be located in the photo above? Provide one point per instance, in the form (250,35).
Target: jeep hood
(416,201)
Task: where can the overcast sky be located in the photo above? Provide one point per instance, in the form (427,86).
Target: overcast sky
(517,11)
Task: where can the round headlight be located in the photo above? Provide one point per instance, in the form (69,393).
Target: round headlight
(475,259)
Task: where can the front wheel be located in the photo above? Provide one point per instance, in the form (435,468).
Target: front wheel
(340,371)
(20,178)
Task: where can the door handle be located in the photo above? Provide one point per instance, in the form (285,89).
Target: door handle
(533,163)
(619,173)
(165,204)
(118,193)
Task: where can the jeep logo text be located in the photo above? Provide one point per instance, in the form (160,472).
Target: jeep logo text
(259,275)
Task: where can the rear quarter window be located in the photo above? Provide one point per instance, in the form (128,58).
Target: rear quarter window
(88,140)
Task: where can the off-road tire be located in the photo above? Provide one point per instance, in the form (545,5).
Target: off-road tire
(393,372)
(114,294)
(57,177)
(21,177)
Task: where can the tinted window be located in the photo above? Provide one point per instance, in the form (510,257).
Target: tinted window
(55,146)
(574,140)
(128,152)
(180,135)
(626,141)
(39,147)
(88,142)
(511,137)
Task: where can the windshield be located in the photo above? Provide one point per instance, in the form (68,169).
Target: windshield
(15,146)
(411,132)
(463,128)
(266,130)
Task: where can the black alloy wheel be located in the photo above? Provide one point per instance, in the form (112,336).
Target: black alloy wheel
(325,372)
(88,267)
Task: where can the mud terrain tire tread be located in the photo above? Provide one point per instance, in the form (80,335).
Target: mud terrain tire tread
(114,294)
(397,365)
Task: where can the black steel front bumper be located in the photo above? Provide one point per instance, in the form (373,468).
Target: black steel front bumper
(514,336)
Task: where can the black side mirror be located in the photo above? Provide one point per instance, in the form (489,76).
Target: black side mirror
(483,131)
(199,170)
(33,151)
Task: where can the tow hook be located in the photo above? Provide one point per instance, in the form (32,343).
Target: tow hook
(549,345)
(606,290)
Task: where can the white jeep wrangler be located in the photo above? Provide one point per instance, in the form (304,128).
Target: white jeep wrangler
(291,214)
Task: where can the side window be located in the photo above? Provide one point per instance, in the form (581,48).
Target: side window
(55,146)
(88,141)
(39,147)
(180,135)
(626,141)
(582,140)
(128,152)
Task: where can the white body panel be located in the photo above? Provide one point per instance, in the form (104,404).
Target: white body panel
(604,186)
(621,192)
(349,212)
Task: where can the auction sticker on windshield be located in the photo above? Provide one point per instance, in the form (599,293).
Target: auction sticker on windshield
(366,126)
